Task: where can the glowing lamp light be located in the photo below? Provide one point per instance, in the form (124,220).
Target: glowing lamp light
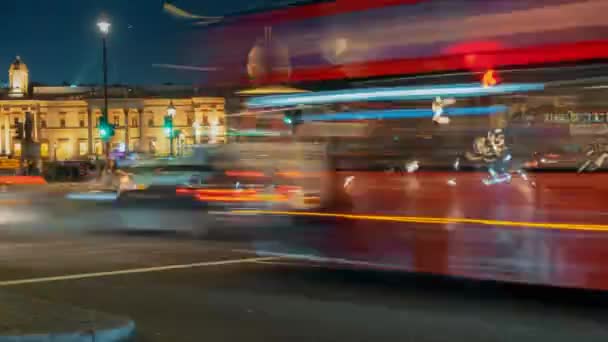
(171,111)
(104,26)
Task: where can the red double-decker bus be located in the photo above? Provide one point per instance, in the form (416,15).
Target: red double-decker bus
(437,220)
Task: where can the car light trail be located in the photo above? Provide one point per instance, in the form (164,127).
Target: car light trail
(250,174)
(22,180)
(93,196)
(388,94)
(403,113)
(244,198)
(436,220)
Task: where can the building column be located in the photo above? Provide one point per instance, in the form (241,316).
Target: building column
(2,139)
(7,134)
(90,131)
(35,123)
(199,119)
(126,110)
(140,125)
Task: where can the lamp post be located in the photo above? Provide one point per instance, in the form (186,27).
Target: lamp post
(171,111)
(104,28)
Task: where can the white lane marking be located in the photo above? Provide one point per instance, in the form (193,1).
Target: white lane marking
(132,271)
(320,259)
(300,264)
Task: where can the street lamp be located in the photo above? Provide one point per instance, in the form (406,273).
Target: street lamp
(104,28)
(171,111)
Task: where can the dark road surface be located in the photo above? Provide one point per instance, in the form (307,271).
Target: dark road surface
(278,299)
(177,288)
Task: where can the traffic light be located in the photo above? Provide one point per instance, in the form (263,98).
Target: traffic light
(489,79)
(19,134)
(106,131)
(168,126)
(293,117)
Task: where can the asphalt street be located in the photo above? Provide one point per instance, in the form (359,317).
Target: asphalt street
(180,289)
(175,287)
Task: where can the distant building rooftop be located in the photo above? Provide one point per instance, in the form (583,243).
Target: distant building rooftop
(19,87)
(84,92)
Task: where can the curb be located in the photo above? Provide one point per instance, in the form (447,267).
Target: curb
(126,332)
(34,320)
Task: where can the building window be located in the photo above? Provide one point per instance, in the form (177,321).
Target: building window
(221,121)
(17,149)
(44,150)
(151,122)
(16,121)
(116,120)
(98,147)
(81,122)
(62,122)
(134,122)
(190,120)
(42,123)
(82,148)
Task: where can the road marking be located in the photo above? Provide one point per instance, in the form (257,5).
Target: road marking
(436,220)
(282,263)
(14,202)
(134,270)
(321,259)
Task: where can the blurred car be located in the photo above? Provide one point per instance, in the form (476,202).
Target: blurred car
(132,158)
(207,187)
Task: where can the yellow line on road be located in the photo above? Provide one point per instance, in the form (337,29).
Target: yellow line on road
(12,202)
(436,220)
(133,271)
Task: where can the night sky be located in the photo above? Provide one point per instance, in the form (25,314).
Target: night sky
(59,42)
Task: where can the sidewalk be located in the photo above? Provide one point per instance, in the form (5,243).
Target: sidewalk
(30,319)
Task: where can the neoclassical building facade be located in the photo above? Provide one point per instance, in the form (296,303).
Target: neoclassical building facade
(66,117)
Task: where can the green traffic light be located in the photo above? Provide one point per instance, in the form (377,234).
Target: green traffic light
(106,131)
(288,121)
(168,126)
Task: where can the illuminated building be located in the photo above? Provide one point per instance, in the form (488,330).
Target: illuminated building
(66,117)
